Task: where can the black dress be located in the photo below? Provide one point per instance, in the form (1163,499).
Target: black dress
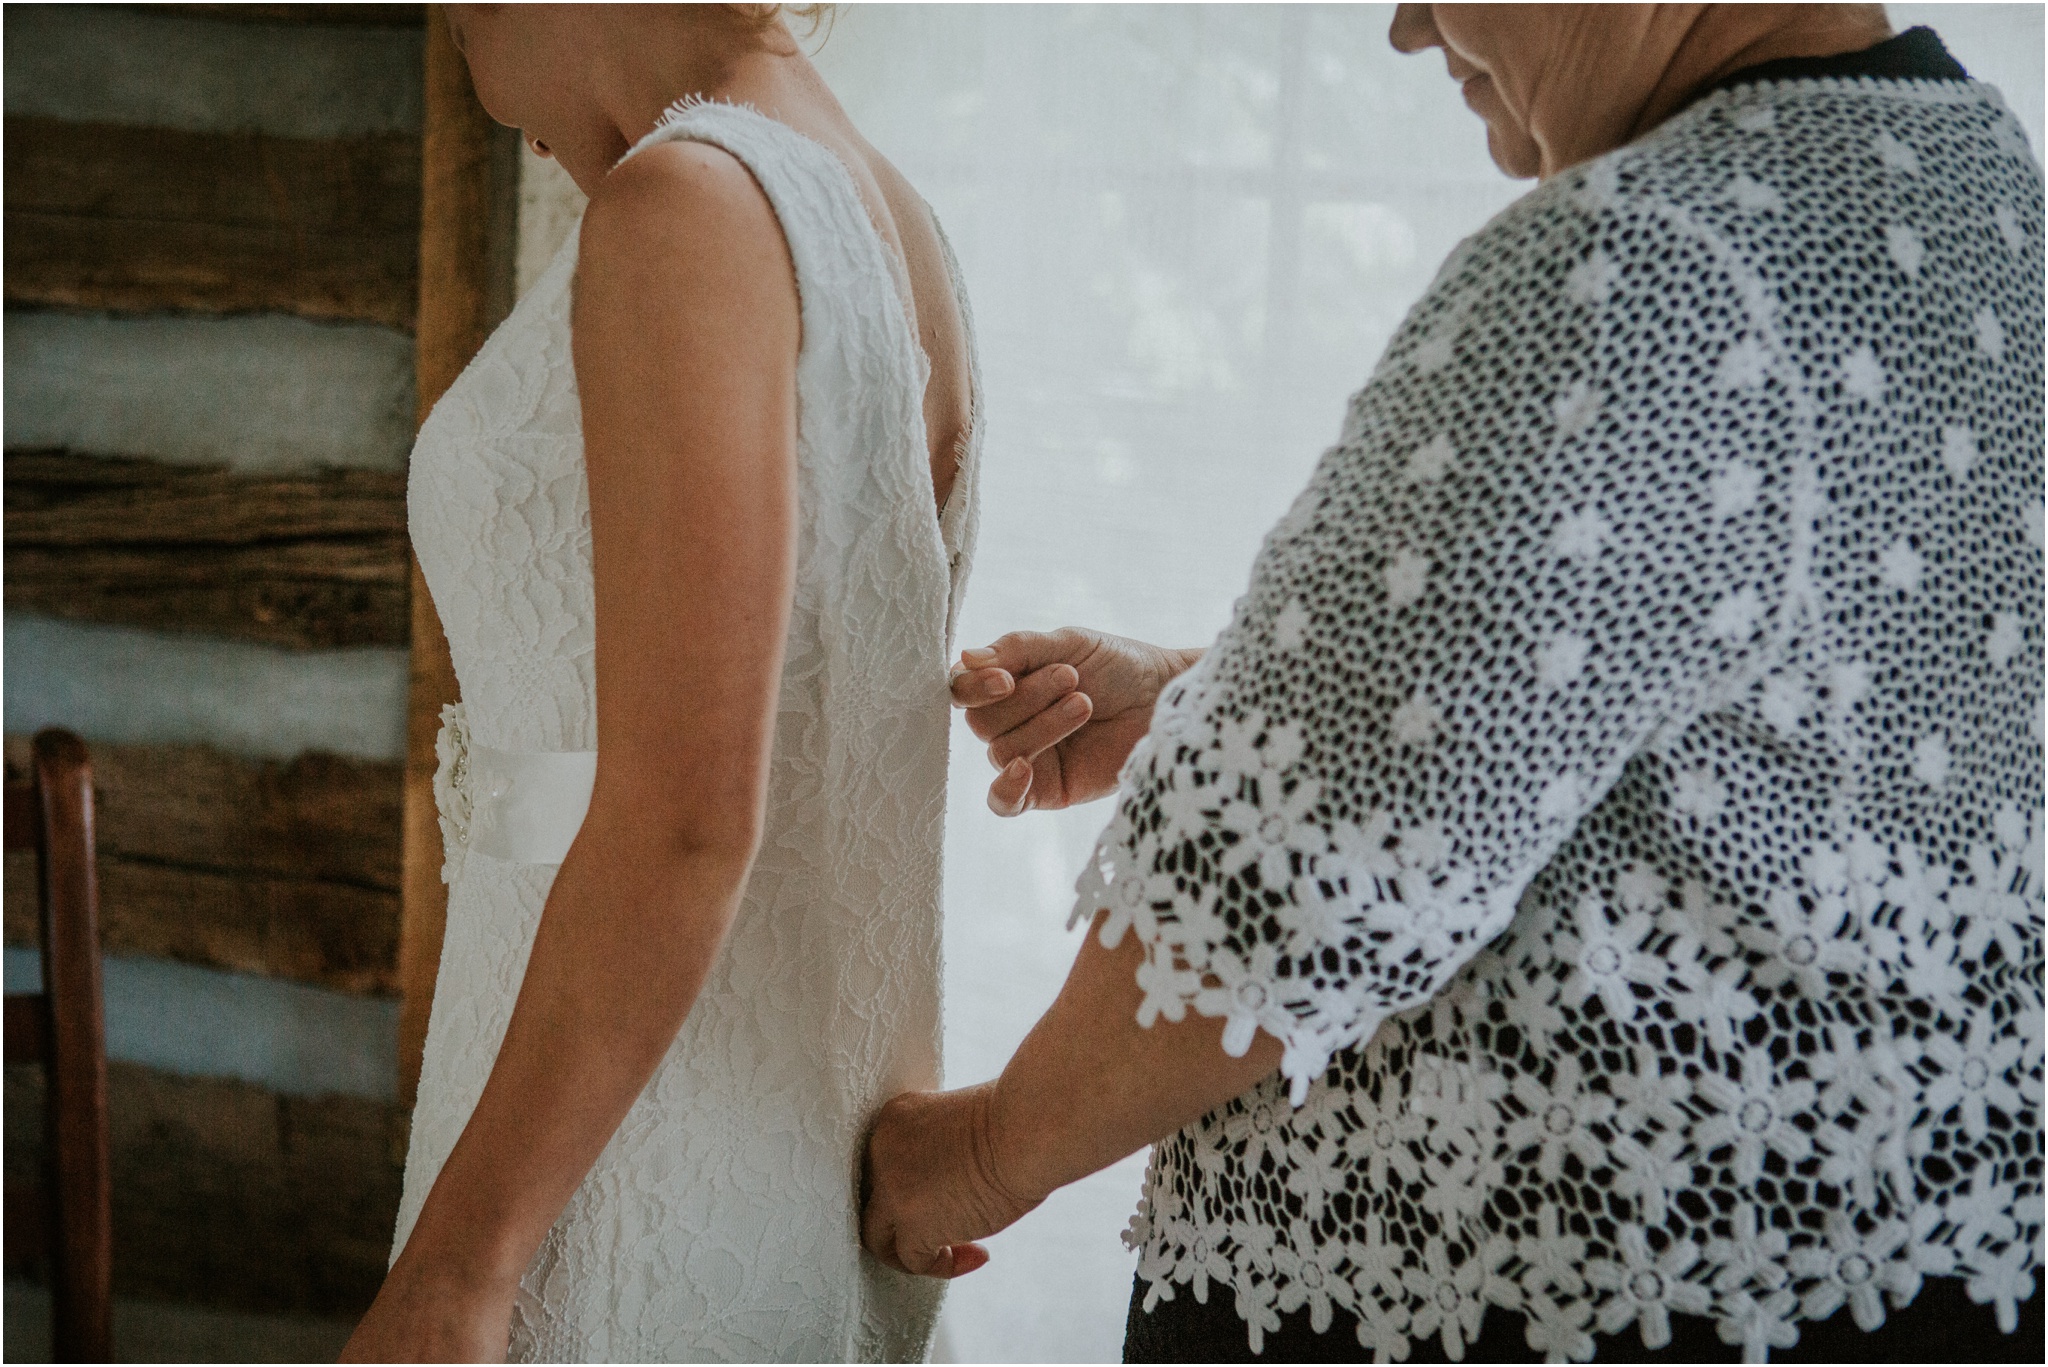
(1941,1325)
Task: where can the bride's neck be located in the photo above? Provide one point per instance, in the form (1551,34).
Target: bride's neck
(692,58)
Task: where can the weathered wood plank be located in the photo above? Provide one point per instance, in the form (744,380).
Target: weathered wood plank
(63,498)
(288,870)
(362,187)
(318,816)
(146,266)
(229,1195)
(148,219)
(348,16)
(306,561)
(468,231)
(329,934)
(27,1028)
(289,596)
(20,817)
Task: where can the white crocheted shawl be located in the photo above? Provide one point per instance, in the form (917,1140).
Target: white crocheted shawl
(1620,787)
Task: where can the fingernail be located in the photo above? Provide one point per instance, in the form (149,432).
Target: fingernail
(979,656)
(998,687)
(1068,676)
(1017,768)
(1074,705)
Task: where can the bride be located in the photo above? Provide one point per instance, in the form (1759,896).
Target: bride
(706,496)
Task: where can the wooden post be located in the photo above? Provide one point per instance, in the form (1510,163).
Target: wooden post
(77,1156)
(468,211)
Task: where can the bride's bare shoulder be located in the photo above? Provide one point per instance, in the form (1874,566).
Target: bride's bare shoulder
(686,317)
(679,214)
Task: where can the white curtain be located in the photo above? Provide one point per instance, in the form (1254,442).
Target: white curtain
(1188,232)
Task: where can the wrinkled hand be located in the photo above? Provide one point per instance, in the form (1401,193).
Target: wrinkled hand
(1061,711)
(930,1185)
(424,1314)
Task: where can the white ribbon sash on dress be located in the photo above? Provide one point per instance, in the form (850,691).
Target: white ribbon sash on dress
(520,806)
(526,806)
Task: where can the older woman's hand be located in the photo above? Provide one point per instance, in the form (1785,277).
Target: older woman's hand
(1061,711)
(1086,1087)
(930,1183)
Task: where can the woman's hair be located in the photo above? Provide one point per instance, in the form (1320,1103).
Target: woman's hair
(813,16)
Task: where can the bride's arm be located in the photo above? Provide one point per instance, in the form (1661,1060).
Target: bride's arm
(686,332)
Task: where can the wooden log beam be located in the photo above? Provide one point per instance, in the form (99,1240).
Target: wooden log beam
(307,561)
(286,870)
(104,216)
(468,221)
(60,498)
(229,1195)
(331,935)
(291,595)
(339,16)
(318,816)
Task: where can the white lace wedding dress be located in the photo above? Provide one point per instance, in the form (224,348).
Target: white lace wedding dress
(721,1221)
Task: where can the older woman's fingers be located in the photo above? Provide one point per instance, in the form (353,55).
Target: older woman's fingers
(873,1228)
(956,1260)
(1006,796)
(948,1262)
(878,1237)
(1035,692)
(1020,652)
(980,687)
(1043,731)
(877,1228)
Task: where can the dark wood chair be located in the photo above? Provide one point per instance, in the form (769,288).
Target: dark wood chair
(64,1028)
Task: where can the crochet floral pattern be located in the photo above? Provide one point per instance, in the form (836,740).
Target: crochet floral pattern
(1620,788)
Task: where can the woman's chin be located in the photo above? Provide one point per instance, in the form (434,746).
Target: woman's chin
(1516,155)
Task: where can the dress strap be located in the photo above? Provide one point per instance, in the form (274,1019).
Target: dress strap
(834,243)
(861,371)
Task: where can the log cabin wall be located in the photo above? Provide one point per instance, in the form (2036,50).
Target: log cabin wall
(212,276)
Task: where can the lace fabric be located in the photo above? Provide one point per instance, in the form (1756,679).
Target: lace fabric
(1620,788)
(721,1220)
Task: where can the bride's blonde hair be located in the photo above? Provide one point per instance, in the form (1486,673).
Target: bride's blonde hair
(814,17)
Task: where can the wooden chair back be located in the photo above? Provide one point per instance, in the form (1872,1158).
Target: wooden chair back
(63,1027)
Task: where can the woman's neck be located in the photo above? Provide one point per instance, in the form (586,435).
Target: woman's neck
(687,53)
(1725,39)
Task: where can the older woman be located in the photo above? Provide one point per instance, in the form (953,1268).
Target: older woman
(1607,839)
